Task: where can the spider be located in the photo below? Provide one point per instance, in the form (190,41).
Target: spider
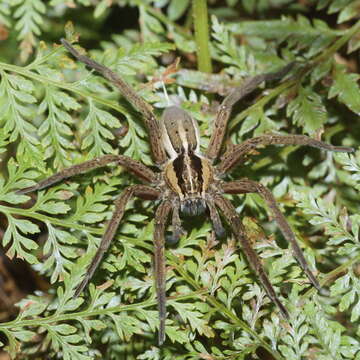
(188,181)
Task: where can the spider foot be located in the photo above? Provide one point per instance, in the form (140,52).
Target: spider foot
(220,232)
(283,310)
(314,281)
(343,149)
(161,334)
(80,287)
(174,238)
(26,190)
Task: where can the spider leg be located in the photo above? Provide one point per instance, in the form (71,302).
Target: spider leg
(161,217)
(142,191)
(248,186)
(136,167)
(235,95)
(237,227)
(136,101)
(238,153)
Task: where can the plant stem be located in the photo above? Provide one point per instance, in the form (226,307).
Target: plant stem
(332,49)
(332,275)
(72,87)
(325,55)
(38,321)
(201,26)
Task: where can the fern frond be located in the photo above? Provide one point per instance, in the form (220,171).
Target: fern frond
(54,112)
(29,20)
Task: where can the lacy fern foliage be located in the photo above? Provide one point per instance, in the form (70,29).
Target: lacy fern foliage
(54,113)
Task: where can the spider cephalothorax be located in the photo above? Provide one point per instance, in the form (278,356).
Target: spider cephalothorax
(189,181)
(187,173)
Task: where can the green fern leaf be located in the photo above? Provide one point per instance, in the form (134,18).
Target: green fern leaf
(96,131)
(29,16)
(346,88)
(307,110)
(15,114)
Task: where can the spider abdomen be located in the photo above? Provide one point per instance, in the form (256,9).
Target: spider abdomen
(180,132)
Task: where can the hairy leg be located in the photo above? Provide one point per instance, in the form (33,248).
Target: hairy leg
(136,167)
(225,108)
(237,154)
(161,217)
(142,191)
(237,227)
(248,186)
(128,92)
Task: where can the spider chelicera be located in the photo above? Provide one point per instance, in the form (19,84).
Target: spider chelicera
(189,181)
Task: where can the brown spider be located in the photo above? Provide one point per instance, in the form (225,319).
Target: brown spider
(188,181)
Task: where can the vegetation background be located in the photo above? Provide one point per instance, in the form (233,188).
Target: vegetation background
(54,112)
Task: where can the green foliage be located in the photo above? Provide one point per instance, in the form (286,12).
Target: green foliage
(307,110)
(346,87)
(16,96)
(54,112)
